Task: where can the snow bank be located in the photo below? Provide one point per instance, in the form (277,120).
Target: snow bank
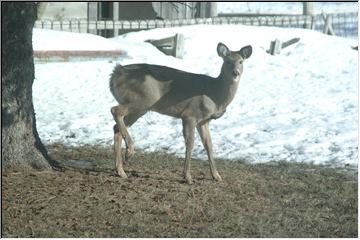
(298,106)
(56,40)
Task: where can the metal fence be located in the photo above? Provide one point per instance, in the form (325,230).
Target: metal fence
(343,24)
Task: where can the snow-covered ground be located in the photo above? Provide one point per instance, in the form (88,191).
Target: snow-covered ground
(301,105)
(55,40)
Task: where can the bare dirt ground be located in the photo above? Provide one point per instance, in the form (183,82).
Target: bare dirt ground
(265,200)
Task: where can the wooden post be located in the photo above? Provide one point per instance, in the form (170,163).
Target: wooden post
(308,10)
(116,16)
(206,9)
(328,29)
(173,46)
(277,45)
(313,22)
(200,10)
(178,46)
(211,9)
(92,13)
(290,42)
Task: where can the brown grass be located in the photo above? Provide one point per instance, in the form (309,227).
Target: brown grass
(262,200)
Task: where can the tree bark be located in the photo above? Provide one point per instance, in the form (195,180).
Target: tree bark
(20,141)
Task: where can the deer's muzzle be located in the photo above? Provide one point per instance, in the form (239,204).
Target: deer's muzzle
(235,73)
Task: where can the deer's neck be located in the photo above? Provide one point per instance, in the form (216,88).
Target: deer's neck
(226,90)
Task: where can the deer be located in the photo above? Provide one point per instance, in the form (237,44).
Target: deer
(194,98)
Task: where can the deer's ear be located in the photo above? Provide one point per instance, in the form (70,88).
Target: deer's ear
(222,50)
(246,52)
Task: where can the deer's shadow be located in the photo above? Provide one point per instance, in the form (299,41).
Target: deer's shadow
(90,167)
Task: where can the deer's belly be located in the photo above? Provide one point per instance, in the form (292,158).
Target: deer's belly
(170,109)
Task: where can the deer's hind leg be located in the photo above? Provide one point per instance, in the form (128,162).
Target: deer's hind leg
(120,132)
(189,135)
(130,120)
(117,150)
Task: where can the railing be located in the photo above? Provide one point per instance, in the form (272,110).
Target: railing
(343,24)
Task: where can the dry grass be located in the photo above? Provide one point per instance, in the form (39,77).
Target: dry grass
(264,200)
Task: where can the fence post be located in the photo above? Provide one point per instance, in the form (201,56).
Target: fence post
(313,22)
(206,9)
(308,10)
(173,46)
(92,13)
(212,9)
(115,17)
(178,46)
(275,47)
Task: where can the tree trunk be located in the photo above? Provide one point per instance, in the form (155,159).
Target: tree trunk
(20,141)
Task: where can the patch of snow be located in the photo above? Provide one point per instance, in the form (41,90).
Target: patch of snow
(44,40)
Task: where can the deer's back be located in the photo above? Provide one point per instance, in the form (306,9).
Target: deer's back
(163,89)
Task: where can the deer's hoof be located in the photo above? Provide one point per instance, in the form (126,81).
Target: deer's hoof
(121,173)
(188,179)
(217,177)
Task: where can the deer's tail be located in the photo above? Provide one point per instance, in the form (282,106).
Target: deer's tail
(117,73)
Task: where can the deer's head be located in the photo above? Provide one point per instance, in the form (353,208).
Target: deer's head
(233,61)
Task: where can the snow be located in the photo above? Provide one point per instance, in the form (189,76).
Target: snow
(44,40)
(299,106)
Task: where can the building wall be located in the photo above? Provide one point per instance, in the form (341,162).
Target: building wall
(62,10)
(126,10)
(136,11)
(175,10)
(93,11)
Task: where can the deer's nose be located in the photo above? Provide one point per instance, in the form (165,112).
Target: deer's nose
(235,73)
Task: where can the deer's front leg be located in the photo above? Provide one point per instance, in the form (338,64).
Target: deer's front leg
(204,133)
(189,132)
